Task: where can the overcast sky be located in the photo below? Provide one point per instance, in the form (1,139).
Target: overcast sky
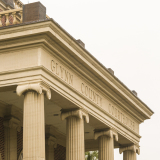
(123,35)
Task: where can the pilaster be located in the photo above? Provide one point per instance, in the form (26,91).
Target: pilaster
(51,143)
(33,120)
(129,153)
(11,126)
(106,144)
(75,134)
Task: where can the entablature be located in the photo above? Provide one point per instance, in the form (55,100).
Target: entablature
(71,71)
(81,60)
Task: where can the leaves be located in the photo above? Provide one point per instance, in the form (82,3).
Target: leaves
(91,155)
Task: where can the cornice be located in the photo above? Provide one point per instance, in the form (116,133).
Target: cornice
(43,42)
(53,30)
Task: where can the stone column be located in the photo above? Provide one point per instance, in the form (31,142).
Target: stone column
(51,143)
(33,120)
(11,126)
(75,134)
(106,144)
(129,153)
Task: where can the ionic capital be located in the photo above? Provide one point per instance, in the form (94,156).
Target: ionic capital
(133,148)
(78,113)
(110,133)
(51,141)
(13,123)
(38,87)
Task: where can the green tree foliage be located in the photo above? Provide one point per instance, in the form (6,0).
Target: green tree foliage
(91,155)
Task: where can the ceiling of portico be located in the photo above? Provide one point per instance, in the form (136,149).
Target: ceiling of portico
(53,108)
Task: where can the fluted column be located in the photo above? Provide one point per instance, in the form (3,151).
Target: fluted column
(33,120)
(11,126)
(51,143)
(129,153)
(75,134)
(106,144)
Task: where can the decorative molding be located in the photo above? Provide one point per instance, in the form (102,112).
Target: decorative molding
(51,141)
(78,113)
(110,133)
(133,148)
(38,87)
(12,122)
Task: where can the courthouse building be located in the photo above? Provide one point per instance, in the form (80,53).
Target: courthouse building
(56,100)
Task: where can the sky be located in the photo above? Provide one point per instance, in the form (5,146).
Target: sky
(125,36)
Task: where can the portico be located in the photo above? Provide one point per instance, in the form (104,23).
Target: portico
(63,98)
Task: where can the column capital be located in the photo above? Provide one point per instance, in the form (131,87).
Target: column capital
(12,122)
(51,141)
(78,113)
(110,133)
(38,87)
(133,148)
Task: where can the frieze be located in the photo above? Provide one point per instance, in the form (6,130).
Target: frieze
(92,94)
(121,116)
(62,72)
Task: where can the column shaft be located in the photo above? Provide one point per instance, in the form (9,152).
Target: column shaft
(34,126)
(106,148)
(75,138)
(129,155)
(10,143)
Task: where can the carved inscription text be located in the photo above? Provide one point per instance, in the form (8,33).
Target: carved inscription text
(91,94)
(62,72)
(121,116)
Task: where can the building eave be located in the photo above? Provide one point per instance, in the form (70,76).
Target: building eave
(109,79)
